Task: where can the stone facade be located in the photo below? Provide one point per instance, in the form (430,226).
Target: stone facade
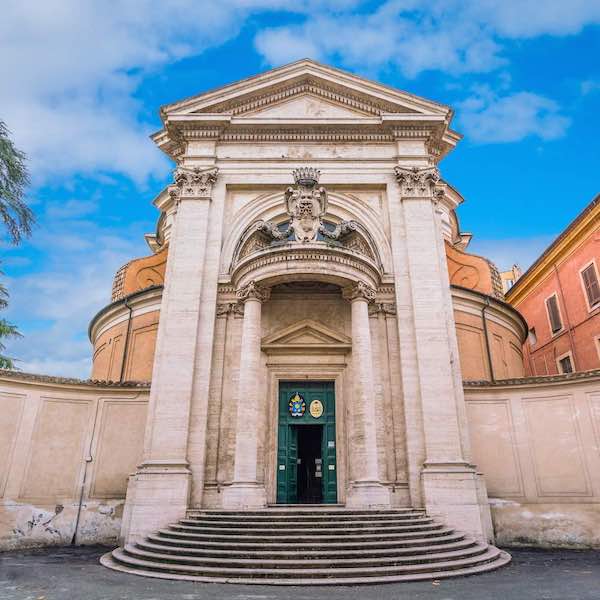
(307,237)
(308,224)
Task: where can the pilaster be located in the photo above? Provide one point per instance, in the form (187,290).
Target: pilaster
(450,485)
(158,493)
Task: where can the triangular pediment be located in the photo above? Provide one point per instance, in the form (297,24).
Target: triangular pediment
(306,106)
(306,335)
(335,89)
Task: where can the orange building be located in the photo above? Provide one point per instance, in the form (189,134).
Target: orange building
(559,296)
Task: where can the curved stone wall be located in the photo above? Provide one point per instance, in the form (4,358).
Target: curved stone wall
(124,337)
(67,448)
(536,442)
(490,336)
(124,345)
(66,443)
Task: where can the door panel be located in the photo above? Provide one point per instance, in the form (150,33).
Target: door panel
(287,442)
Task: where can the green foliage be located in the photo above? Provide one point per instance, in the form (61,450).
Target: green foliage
(14,178)
(7,330)
(17,217)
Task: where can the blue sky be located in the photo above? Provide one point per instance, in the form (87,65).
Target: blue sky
(82,83)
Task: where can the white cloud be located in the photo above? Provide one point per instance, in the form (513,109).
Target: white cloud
(488,118)
(453,36)
(70,70)
(53,306)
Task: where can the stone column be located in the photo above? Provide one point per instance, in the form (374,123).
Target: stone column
(158,493)
(450,485)
(365,489)
(245,491)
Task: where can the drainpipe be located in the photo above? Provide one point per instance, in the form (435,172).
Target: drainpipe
(569,329)
(127,335)
(88,460)
(487,338)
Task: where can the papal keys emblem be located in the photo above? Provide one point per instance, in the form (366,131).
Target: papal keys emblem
(297,405)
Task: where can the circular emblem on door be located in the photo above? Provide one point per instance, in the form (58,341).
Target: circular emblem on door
(297,405)
(316,408)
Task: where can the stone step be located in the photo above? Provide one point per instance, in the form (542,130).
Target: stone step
(302,509)
(291,524)
(179,540)
(301,518)
(303,563)
(306,538)
(108,560)
(293,554)
(363,528)
(306,547)
(129,557)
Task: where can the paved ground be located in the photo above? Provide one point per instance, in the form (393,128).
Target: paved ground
(73,573)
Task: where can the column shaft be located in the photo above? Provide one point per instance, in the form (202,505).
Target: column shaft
(366,489)
(245,490)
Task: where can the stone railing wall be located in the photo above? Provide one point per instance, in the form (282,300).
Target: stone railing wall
(67,448)
(537,442)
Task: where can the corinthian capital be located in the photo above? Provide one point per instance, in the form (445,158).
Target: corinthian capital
(193,183)
(253,291)
(359,291)
(417,182)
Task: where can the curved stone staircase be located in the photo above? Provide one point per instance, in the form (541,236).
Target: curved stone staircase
(306,546)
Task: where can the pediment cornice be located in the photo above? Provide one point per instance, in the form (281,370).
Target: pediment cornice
(304,101)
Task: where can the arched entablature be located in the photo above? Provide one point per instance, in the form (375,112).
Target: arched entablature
(341,207)
(313,261)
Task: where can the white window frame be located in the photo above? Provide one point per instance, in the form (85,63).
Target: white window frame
(562,321)
(562,357)
(587,300)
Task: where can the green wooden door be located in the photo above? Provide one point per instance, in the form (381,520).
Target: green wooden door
(287,441)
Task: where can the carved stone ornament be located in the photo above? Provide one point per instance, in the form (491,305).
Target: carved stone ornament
(386,308)
(358,291)
(306,204)
(253,291)
(234,308)
(193,183)
(417,182)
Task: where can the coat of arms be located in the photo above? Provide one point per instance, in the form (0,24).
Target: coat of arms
(297,405)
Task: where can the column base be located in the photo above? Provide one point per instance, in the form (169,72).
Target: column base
(368,494)
(456,494)
(244,495)
(156,496)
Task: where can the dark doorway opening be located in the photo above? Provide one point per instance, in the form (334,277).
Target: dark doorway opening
(310,464)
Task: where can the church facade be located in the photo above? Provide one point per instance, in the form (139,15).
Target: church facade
(307,314)
(308,329)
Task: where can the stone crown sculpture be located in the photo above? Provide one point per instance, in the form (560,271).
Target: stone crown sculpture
(306,204)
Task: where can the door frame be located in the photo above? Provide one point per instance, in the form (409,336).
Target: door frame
(311,372)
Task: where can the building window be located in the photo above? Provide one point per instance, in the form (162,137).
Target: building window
(591,285)
(554,314)
(565,364)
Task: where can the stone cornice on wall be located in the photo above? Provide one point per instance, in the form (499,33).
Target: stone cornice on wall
(538,381)
(575,233)
(35,379)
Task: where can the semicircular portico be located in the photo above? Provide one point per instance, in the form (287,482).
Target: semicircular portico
(313,261)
